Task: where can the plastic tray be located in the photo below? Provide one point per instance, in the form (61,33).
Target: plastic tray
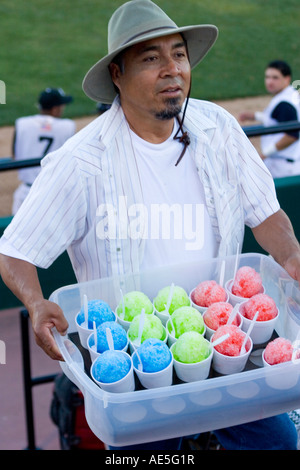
(120,419)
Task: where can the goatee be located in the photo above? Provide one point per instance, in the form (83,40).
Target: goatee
(172,109)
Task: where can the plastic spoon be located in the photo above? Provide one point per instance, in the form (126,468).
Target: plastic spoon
(233,314)
(296,350)
(95,335)
(220,340)
(243,348)
(123,306)
(171,321)
(109,339)
(222,273)
(138,340)
(85,310)
(236,262)
(167,306)
(140,364)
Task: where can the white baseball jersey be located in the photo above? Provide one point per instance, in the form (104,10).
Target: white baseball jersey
(37,135)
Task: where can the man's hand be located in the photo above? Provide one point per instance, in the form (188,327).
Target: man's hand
(44,316)
(22,279)
(292,266)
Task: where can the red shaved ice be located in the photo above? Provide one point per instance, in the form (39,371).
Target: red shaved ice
(262,303)
(232,345)
(217,315)
(207,293)
(247,282)
(277,351)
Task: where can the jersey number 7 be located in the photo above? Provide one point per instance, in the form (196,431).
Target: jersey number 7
(49,141)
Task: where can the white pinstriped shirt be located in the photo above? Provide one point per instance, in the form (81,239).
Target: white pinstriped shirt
(98,165)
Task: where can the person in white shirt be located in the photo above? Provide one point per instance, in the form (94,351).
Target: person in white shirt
(280,151)
(37,135)
(155,148)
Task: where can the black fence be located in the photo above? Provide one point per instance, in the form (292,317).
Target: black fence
(251,131)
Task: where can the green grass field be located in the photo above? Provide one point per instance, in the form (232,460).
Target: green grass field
(54,43)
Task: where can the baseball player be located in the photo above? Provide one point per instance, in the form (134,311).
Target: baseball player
(37,135)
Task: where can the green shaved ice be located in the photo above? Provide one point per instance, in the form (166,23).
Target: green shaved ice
(179,299)
(134,302)
(153,328)
(186,319)
(191,347)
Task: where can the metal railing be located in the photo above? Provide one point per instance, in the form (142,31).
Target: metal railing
(250,131)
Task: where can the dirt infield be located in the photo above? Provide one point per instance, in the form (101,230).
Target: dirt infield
(9,180)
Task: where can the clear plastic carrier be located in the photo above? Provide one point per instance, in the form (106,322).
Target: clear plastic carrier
(182,409)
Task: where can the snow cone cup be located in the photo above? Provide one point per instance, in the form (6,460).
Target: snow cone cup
(93,311)
(209,331)
(280,381)
(92,347)
(226,365)
(132,346)
(164,317)
(201,308)
(125,323)
(161,378)
(235,299)
(125,384)
(171,333)
(83,331)
(194,371)
(192,355)
(262,330)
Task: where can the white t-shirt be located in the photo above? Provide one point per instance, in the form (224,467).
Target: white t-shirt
(176,217)
(177,220)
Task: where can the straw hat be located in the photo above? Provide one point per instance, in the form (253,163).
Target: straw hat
(132,23)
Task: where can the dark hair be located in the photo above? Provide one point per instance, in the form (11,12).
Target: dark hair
(282,66)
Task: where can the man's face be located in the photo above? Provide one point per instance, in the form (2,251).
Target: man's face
(275,82)
(156,78)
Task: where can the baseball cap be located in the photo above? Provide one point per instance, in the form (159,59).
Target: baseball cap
(53,97)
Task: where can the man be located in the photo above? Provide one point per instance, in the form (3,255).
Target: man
(37,135)
(143,152)
(281,151)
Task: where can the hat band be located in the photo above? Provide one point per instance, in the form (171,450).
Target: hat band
(146,32)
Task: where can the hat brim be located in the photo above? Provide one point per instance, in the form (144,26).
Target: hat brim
(97,83)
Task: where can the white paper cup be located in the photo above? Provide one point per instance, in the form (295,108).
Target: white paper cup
(126,384)
(235,299)
(92,347)
(209,331)
(172,338)
(125,323)
(162,378)
(195,371)
(84,332)
(201,308)
(231,364)
(164,317)
(282,380)
(132,347)
(262,330)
